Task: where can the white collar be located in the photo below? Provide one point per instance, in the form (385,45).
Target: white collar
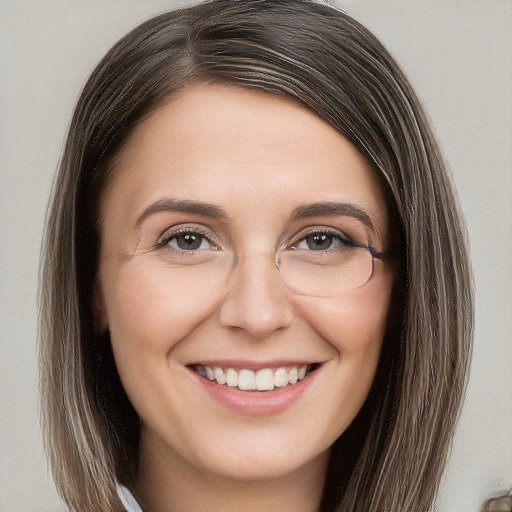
(127,499)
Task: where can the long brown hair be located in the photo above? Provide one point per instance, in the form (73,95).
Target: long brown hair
(392,456)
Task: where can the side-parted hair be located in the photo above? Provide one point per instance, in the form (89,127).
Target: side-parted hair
(392,456)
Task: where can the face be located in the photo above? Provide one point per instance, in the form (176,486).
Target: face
(207,189)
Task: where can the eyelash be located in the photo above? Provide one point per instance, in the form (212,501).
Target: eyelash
(206,235)
(166,238)
(344,239)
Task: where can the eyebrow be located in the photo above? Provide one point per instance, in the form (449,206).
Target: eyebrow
(182,205)
(325,208)
(331,209)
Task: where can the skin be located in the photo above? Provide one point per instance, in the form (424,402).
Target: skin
(257,156)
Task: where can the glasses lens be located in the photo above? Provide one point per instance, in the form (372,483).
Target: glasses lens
(325,273)
(319,273)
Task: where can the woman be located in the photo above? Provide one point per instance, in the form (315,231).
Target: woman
(256,289)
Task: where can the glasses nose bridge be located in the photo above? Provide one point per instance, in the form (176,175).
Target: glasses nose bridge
(250,258)
(257,267)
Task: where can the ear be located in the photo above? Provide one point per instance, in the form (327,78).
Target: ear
(99,308)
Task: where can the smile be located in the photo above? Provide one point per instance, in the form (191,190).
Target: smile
(263,379)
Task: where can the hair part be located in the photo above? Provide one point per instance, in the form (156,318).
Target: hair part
(393,454)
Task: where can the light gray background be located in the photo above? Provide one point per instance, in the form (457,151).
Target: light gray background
(457,54)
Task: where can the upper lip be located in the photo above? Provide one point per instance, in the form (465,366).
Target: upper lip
(253,364)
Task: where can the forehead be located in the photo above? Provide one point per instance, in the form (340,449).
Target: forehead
(241,148)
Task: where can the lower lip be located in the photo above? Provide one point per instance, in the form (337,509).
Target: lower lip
(256,403)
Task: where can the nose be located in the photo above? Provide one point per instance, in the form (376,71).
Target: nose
(257,300)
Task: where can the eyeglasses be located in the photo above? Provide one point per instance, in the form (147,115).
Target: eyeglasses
(320,264)
(327,273)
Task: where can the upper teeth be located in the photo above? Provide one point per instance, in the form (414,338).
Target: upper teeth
(265,379)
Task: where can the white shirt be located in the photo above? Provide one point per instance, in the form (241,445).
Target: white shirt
(127,499)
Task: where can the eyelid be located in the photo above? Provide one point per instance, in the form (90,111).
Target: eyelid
(182,229)
(313,230)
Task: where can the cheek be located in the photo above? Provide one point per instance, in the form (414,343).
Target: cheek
(147,315)
(354,322)
(353,326)
(147,319)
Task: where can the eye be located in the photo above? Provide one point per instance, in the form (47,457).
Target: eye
(186,240)
(322,241)
(189,242)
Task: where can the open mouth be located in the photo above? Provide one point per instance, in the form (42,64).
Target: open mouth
(263,379)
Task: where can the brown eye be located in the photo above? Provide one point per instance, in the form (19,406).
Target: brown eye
(319,241)
(323,241)
(189,242)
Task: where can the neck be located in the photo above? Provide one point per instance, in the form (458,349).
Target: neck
(168,483)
